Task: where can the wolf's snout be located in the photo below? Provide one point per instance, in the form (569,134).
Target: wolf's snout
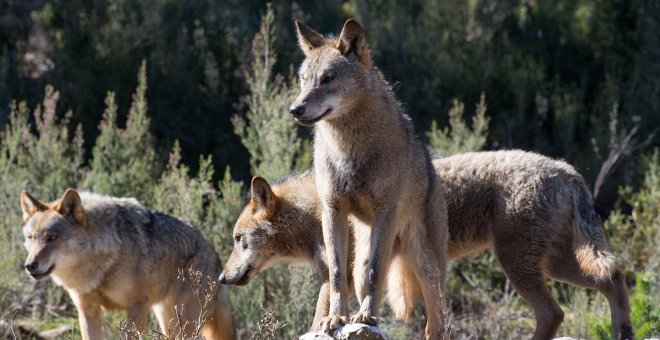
(222,278)
(31,267)
(297,110)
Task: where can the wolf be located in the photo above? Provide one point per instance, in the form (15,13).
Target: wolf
(536,213)
(362,133)
(117,254)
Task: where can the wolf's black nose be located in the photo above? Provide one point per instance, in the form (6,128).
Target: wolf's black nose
(32,266)
(222,278)
(297,110)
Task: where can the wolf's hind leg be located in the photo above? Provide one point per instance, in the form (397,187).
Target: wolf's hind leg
(565,268)
(521,262)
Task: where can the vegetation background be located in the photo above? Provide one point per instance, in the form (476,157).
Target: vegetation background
(574,79)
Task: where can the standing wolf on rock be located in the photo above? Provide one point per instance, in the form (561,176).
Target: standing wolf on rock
(369,164)
(118,254)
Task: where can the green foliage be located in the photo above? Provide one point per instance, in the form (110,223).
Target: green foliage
(123,160)
(271,137)
(599,327)
(635,235)
(646,306)
(180,195)
(220,221)
(458,137)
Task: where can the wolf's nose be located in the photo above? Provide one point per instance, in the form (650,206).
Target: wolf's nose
(297,110)
(32,266)
(222,278)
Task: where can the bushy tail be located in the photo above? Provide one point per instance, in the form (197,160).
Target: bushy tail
(403,291)
(592,250)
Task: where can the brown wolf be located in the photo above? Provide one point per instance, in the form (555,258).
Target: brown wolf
(536,213)
(118,254)
(369,164)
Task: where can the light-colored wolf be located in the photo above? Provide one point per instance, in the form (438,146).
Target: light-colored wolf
(535,212)
(118,254)
(369,164)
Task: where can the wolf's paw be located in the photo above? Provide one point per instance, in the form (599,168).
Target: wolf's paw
(331,322)
(365,318)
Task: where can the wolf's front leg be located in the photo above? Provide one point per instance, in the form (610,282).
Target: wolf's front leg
(89,315)
(335,237)
(322,305)
(383,234)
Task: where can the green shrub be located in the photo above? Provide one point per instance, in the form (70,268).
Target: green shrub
(634,236)
(458,136)
(645,306)
(123,160)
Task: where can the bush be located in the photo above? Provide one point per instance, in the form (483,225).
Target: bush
(458,137)
(123,160)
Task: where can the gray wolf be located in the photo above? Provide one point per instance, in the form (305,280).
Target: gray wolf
(369,164)
(536,213)
(118,254)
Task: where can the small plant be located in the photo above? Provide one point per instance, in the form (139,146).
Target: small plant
(267,327)
(459,137)
(645,307)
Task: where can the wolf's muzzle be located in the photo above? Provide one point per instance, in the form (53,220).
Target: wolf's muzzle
(297,110)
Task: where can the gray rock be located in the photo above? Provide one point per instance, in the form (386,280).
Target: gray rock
(353,331)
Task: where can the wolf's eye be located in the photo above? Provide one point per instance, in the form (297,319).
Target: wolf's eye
(29,236)
(51,237)
(327,78)
(237,238)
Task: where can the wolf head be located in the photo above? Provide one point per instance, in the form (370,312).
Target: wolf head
(333,74)
(254,247)
(48,228)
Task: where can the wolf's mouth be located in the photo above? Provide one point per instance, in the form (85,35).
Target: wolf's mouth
(43,275)
(308,122)
(243,280)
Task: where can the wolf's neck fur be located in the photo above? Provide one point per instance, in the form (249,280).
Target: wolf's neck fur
(374,114)
(300,222)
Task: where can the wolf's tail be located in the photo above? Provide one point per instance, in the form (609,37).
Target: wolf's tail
(590,245)
(403,291)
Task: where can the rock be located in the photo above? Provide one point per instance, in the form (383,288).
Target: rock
(353,331)
(55,332)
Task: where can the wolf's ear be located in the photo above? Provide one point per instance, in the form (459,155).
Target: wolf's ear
(262,194)
(70,205)
(353,43)
(30,205)
(308,39)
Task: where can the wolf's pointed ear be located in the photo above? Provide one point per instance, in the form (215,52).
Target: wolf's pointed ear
(262,194)
(353,43)
(70,205)
(30,205)
(308,39)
